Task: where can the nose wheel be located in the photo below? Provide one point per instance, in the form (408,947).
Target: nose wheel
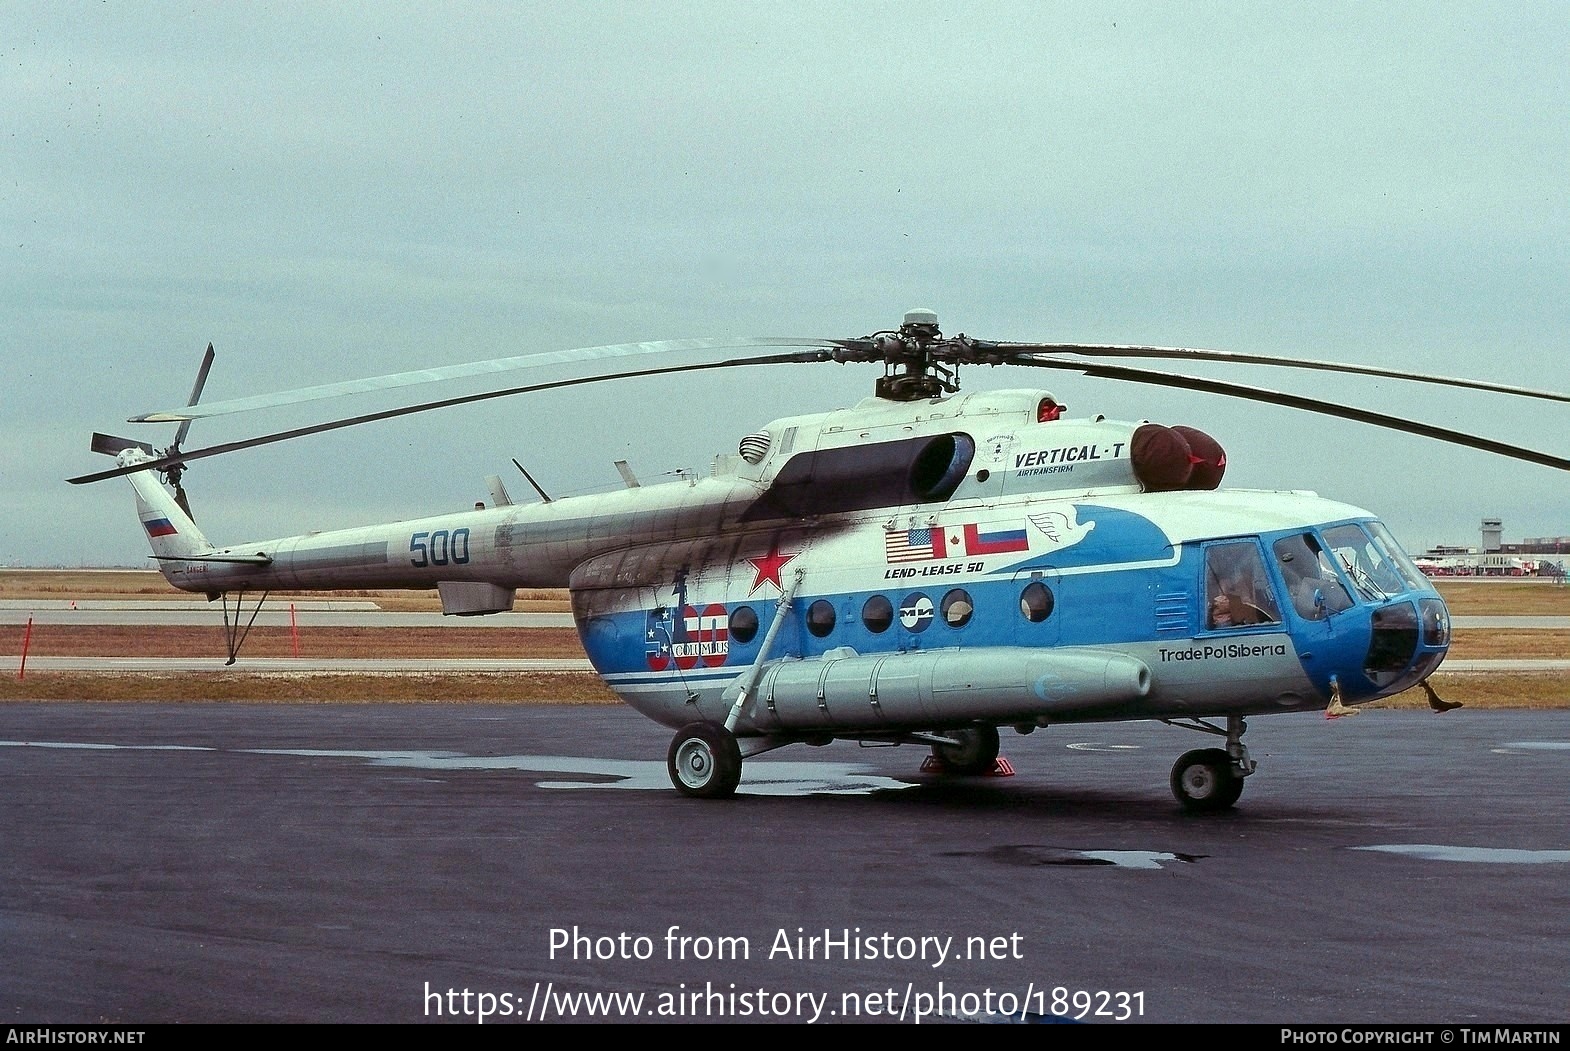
(704,762)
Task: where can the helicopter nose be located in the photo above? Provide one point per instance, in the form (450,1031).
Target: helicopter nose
(1407,642)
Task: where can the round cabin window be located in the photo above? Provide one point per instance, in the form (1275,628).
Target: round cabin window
(820,618)
(1036,602)
(877,614)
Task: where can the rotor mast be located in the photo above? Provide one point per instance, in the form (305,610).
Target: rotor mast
(911,371)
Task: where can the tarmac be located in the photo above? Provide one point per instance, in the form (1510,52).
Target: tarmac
(407,863)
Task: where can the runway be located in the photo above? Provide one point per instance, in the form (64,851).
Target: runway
(201,863)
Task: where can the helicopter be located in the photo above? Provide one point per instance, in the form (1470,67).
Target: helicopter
(927,567)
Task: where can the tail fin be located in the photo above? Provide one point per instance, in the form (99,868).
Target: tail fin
(170,530)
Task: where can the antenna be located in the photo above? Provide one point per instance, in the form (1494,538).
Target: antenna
(544,498)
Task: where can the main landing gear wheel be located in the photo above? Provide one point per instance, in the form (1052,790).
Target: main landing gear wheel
(975,752)
(1203,780)
(704,762)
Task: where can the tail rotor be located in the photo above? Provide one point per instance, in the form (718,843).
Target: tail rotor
(174,471)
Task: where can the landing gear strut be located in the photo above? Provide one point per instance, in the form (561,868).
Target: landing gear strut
(1209,779)
(704,761)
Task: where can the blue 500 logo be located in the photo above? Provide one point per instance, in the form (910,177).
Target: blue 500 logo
(440,548)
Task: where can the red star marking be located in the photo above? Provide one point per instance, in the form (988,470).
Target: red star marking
(768,568)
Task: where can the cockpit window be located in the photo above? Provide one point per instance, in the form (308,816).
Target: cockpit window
(1312,584)
(1237,591)
(1404,565)
(1372,571)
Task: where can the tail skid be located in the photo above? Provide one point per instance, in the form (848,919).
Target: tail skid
(234,635)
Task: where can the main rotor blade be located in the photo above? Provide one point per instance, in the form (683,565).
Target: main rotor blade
(387,414)
(1104,350)
(196,395)
(395,380)
(1271,397)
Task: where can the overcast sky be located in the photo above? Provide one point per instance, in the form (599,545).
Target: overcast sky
(328,191)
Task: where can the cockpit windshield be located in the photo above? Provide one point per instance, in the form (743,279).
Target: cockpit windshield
(1373,570)
(1403,564)
(1316,567)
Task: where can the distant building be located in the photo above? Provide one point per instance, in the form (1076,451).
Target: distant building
(1493,529)
(1540,556)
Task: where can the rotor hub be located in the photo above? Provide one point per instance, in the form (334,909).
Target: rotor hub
(911,370)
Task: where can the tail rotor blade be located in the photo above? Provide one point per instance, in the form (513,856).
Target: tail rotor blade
(196,396)
(110,445)
(179,498)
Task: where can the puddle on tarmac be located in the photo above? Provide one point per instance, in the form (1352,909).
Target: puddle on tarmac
(757,778)
(1474,855)
(1036,856)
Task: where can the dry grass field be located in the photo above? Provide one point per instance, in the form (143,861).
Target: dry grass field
(113,640)
(512,688)
(1503,690)
(130,584)
(1507,598)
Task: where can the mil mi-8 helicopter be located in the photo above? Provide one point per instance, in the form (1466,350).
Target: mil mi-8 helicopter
(925,567)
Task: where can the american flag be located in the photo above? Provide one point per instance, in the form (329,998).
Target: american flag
(914,545)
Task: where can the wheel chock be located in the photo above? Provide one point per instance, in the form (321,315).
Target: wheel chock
(1001,767)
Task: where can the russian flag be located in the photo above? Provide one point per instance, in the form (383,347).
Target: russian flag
(160,527)
(996,542)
